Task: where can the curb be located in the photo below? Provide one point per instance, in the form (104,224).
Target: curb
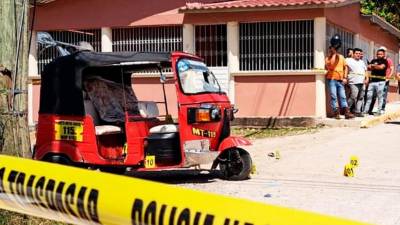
(275,122)
(381,119)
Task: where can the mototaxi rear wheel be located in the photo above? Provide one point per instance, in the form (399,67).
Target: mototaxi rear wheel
(57,158)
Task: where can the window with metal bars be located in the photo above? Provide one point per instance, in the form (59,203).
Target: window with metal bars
(46,55)
(346,37)
(364,45)
(211,45)
(283,45)
(148,39)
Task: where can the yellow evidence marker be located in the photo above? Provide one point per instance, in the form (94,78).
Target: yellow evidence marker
(348,170)
(253,169)
(277,155)
(354,161)
(150,161)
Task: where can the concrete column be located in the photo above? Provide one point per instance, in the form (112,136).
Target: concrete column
(30,104)
(371,50)
(188,38)
(357,41)
(33,62)
(32,71)
(233,56)
(320,101)
(398,56)
(106,39)
(319,63)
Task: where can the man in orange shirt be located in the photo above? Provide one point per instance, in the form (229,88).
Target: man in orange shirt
(336,79)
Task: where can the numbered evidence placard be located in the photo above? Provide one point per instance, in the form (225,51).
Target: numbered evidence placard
(150,161)
(68,130)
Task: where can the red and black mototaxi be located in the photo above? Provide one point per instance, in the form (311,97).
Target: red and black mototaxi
(90,117)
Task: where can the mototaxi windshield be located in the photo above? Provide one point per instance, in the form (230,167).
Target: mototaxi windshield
(196,78)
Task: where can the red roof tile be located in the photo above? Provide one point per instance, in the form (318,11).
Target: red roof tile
(236,4)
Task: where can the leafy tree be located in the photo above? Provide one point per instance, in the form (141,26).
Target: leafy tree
(388,9)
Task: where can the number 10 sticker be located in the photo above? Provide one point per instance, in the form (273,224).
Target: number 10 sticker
(150,161)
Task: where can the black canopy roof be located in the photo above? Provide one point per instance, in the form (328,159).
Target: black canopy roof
(61,83)
(98,59)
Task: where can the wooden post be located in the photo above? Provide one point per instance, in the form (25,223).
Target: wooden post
(14,130)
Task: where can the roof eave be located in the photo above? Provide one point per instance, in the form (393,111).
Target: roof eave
(269,8)
(384,24)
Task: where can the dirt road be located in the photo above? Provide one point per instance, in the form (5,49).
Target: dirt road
(309,175)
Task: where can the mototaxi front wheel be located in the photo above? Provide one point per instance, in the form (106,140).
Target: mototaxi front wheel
(235,164)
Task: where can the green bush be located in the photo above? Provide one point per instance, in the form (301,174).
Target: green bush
(388,9)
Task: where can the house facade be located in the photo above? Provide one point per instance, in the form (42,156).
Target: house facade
(267,55)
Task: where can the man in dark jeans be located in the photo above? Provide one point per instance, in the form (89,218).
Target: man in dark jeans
(336,78)
(389,73)
(377,82)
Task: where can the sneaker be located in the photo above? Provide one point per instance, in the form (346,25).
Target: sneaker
(378,114)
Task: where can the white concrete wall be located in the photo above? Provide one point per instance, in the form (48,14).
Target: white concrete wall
(233,56)
(319,63)
(106,39)
(188,38)
(33,57)
(32,72)
(222,75)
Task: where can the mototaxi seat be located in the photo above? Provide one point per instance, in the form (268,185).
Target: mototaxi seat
(149,109)
(165,128)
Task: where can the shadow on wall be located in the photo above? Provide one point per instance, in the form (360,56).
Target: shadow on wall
(287,99)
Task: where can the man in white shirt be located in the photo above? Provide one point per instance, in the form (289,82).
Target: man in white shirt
(357,81)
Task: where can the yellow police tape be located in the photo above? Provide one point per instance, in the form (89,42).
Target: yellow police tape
(82,196)
(356,74)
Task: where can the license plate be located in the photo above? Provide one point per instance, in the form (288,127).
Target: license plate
(68,130)
(150,161)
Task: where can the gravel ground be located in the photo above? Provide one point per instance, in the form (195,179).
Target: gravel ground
(309,174)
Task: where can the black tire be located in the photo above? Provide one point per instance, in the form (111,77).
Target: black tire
(59,159)
(238,170)
(114,170)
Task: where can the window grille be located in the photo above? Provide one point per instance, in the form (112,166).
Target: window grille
(148,39)
(364,46)
(346,37)
(46,55)
(211,44)
(284,45)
